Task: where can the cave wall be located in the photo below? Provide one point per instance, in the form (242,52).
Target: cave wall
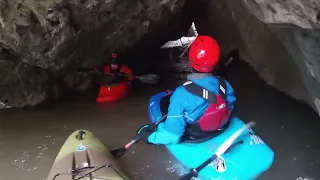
(284,55)
(43,43)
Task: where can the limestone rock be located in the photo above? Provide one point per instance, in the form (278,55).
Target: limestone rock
(297,25)
(43,41)
(280,39)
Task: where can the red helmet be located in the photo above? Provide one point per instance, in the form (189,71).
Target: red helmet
(114,58)
(114,55)
(204,54)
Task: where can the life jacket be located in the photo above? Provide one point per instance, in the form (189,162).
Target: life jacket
(217,115)
(113,78)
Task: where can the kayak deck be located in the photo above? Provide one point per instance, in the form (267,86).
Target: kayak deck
(84,154)
(247,159)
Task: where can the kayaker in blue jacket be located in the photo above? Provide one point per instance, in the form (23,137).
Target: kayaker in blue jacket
(201,105)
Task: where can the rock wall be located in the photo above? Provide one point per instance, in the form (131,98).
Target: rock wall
(280,39)
(42,43)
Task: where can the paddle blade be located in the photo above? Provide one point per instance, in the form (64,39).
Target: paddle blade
(148,78)
(117,153)
(226,62)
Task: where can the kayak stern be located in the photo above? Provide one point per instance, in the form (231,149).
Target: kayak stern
(247,159)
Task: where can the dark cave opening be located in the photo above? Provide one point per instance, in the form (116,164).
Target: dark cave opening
(147,57)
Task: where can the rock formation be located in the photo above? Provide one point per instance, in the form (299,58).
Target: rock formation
(42,43)
(280,39)
(297,25)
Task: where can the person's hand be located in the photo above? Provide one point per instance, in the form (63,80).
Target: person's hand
(144,132)
(120,74)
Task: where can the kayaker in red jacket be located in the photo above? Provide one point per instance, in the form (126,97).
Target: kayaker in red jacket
(200,106)
(111,74)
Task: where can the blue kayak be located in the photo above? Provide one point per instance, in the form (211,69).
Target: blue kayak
(247,158)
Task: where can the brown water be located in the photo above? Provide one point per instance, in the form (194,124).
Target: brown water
(31,138)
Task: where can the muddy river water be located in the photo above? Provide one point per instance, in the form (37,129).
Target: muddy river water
(31,138)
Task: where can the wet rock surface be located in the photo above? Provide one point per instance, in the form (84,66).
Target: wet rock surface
(43,42)
(280,40)
(297,25)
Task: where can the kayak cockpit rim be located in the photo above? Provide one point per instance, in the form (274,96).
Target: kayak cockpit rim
(77,172)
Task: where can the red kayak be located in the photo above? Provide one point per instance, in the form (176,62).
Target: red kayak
(116,91)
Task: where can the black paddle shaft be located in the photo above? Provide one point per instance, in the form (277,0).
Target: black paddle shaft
(152,126)
(121,151)
(225,63)
(194,171)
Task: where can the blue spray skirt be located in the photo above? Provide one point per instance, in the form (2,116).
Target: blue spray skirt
(245,161)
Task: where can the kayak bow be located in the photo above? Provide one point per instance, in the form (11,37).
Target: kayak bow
(84,157)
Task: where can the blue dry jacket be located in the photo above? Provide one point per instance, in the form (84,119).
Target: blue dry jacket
(185,108)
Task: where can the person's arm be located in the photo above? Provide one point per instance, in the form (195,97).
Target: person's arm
(230,96)
(173,128)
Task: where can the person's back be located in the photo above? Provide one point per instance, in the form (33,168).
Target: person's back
(196,106)
(188,108)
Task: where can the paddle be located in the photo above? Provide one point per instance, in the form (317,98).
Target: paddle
(121,151)
(147,78)
(221,150)
(225,63)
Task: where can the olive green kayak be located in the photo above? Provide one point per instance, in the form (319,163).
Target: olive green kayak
(85,157)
